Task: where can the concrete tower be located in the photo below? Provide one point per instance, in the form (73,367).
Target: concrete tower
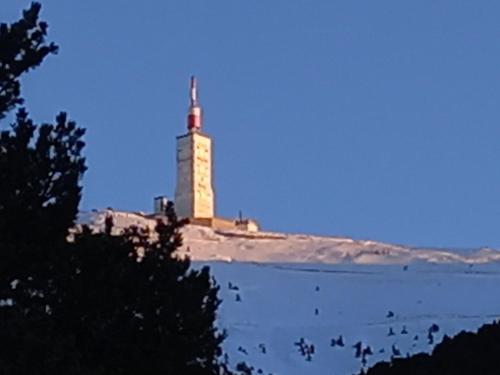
(194,194)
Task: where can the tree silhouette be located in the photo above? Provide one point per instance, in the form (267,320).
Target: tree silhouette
(22,48)
(83,302)
(466,353)
(137,306)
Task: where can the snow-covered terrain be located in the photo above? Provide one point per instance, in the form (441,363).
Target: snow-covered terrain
(204,244)
(283,294)
(279,304)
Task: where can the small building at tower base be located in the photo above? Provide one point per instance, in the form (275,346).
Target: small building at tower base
(245,224)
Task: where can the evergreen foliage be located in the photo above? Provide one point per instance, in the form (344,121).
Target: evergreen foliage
(40,170)
(136,306)
(22,48)
(85,303)
(465,354)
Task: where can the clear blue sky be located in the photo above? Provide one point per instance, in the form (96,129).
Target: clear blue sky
(372,119)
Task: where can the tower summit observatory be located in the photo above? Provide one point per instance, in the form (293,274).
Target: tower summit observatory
(194,193)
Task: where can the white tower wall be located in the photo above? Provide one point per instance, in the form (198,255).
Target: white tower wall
(194,193)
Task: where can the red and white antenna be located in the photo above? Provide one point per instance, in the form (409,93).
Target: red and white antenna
(194,119)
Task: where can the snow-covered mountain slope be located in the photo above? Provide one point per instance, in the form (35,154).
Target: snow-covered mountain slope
(209,244)
(203,243)
(267,308)
(279,290)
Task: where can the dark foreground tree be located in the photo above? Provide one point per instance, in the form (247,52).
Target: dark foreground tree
(39,170)
(137,307)
(465,354)
(97,303)
(22,47)
(113,304)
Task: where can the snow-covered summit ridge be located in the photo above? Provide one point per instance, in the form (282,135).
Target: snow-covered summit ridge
(209,244)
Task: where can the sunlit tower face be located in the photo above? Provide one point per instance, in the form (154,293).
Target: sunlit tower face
(194,195)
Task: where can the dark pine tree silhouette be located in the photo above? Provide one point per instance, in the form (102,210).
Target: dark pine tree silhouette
(40,167)
(137,307)
(22,47)
(88,303)
(465,354)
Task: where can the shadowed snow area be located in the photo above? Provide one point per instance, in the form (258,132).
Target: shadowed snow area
(300,304)
(392,309)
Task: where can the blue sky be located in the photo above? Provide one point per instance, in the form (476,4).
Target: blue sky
(377,120)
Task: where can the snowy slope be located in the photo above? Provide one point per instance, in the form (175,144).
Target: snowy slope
(202,244)
(208,244)
(279,301)
(286,287)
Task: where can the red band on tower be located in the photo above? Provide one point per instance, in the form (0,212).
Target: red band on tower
(194,118)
